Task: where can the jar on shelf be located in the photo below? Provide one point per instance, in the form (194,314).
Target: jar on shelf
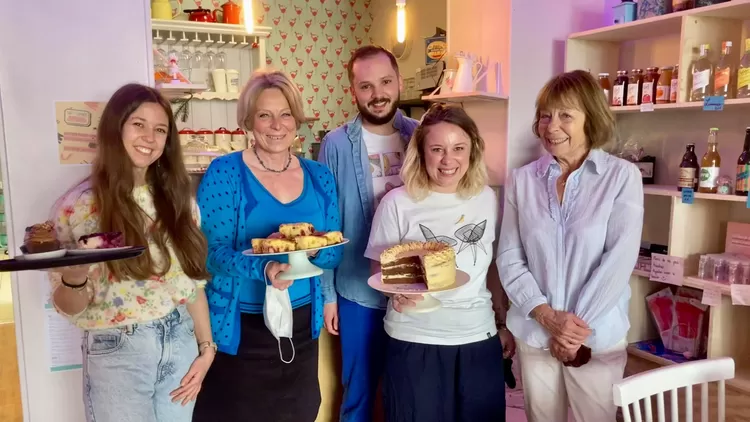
(663,85)
(605,85)
(186,136)
(674,86)
(205,136)
(239,140)
(620,88)
(223,139)
(650,80)
(680,5)
(635,87)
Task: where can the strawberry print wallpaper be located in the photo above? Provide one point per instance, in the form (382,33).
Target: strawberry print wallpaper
(312,41)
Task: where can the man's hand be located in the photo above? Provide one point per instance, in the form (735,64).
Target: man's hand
(331,318)
(508,342)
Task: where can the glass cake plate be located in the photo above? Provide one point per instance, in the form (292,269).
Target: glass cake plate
(299,261)
(428,303)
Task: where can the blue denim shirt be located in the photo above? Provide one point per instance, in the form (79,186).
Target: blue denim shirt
(344,152)
(576,256)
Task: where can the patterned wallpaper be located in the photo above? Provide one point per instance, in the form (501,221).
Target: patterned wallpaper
(312,40)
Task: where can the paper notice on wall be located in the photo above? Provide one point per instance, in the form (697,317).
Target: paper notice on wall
(64,342)
(76,130)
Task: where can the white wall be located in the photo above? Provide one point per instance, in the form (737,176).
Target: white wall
(537,52)
(422,16)
(55,51)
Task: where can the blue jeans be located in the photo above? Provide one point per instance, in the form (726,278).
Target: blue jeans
(128,372)
(363,342)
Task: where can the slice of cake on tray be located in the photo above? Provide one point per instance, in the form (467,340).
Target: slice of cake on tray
(432,263)
(107,240)
(40,238)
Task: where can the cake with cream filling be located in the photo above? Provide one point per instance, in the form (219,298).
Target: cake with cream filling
(105,240)
(432,263)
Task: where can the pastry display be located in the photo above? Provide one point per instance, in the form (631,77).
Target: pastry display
(290,231)
(432,263)
(40,238)
(296,237)
(106,240)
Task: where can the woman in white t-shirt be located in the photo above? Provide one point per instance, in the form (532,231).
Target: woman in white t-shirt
(445,365)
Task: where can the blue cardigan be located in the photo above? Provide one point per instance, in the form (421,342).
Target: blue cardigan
(225,201)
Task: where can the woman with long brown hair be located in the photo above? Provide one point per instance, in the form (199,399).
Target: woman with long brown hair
(141,316)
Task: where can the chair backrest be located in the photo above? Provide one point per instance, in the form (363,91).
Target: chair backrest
(671,378)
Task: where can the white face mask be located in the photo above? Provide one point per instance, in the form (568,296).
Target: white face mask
(277,313)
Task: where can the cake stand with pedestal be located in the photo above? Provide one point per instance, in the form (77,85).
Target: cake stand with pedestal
(301,267)
(428,303)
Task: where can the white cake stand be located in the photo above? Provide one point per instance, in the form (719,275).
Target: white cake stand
(301,267)
(428,303)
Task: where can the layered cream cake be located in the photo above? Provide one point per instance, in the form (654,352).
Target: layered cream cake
(432,263)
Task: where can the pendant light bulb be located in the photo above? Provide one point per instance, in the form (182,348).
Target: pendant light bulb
(247,11)
(400,20)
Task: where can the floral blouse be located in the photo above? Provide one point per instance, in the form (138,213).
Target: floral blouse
(114,302)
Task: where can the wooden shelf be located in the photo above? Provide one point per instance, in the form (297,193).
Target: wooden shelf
(178,90)
(180,28)
(465,97)
(669,190)
(663,25)
(740,382)
(687,106)
(694,282)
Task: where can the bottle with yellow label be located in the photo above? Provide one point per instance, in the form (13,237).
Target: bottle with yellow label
(743,73)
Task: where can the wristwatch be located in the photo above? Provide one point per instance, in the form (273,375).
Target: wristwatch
(205,345)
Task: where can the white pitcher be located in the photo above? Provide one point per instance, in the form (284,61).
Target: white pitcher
(467,75)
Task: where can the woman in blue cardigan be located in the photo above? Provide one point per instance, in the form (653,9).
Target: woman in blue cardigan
(246,195)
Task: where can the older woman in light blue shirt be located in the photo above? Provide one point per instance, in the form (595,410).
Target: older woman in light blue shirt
(569,241)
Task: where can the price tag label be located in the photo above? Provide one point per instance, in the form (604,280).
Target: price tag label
(740,294)
(645,107)
(711,296)
(688,195)
(667,269)
(713,103)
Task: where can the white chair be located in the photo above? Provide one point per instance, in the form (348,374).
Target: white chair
(670,378)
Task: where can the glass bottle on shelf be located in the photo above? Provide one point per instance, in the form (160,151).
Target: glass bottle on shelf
(648,91)
(620,90)
(710,164)
(743,73)
(635,87)
(724,72)
(702,75)
(662,85)
(674,84)
(605,86)
(688,169)
(742,183)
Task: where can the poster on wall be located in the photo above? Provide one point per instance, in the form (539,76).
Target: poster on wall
(76,130)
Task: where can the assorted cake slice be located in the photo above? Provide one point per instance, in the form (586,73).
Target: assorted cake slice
(106,240)
(40,238)
(295,237)
(432,263)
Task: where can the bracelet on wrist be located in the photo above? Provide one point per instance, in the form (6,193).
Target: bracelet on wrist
(207,345)
(74,286)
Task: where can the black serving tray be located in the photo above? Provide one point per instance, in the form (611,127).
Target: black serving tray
(11,265)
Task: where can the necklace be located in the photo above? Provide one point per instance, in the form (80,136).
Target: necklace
(262,164)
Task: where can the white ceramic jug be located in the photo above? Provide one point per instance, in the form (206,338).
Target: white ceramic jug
(467,75)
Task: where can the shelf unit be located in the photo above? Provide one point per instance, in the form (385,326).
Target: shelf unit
(465,97)
(688,230)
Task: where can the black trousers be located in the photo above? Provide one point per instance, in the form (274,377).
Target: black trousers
(425,382)
(255,385)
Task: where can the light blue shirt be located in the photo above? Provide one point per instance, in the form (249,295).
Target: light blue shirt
(344,152)
(576,256)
